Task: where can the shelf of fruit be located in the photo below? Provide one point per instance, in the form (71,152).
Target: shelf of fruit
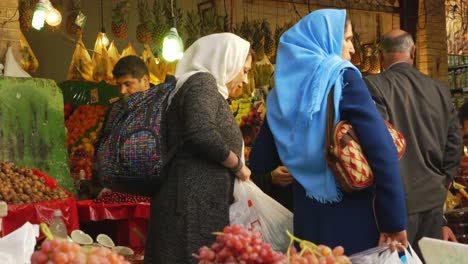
(83,125)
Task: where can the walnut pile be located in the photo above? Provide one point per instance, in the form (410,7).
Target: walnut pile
(19,185)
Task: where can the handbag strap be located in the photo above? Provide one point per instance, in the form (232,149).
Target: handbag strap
(330,125)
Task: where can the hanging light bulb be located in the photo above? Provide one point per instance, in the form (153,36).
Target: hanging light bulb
(53,18)
(40,13)
(104,38)
(172,47)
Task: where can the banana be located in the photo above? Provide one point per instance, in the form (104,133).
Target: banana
(46,231)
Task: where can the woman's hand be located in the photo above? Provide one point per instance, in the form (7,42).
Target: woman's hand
(281,176)
(237,167)
(396,241)
(244,173)
(448,235)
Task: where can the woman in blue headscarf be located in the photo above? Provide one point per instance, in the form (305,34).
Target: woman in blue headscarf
(313,56)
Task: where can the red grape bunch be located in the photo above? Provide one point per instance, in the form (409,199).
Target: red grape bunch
(236,245)
(66,252)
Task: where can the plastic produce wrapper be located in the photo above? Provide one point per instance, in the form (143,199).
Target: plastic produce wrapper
(29,61)
(153,67)
(12,68)
(253,208)
(114,55)
(129,50)
(18,246)
(42,212)
(81,66)
(102,65)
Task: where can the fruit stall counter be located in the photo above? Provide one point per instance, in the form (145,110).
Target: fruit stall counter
(123,217)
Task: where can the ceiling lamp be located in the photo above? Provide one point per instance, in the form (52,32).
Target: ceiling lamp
(172,47)
(104,38)
(45,12)
(53,17)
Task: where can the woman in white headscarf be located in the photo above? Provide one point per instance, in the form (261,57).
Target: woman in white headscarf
(195,199)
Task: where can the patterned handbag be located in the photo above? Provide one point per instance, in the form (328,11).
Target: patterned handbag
(344,155)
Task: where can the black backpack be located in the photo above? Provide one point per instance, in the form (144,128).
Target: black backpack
(131,151)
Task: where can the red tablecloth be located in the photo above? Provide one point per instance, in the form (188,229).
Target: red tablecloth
(90,211)
(123,222)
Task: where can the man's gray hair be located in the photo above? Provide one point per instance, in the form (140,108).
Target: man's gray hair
(402,43)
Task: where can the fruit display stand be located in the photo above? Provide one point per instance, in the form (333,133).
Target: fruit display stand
(32,134)
(125,222)
(41,212)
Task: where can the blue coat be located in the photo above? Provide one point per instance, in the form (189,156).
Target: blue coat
(356,222)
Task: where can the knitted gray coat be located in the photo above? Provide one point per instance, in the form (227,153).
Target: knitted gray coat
(195,199)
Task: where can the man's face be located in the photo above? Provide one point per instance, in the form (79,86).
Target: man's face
(129,85)
(348,48)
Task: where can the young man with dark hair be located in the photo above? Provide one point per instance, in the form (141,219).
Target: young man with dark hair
(131,75)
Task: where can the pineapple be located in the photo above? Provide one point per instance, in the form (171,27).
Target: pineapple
(374,60)
(366,63)
(356,58)
(245,30)
(26,8)
(119,20)
(143,32)
(258,41)
(192,28)
(71,26)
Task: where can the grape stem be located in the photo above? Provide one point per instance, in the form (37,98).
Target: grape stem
(304,244)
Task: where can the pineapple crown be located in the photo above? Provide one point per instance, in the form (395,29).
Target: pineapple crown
(192,25)
(144,12)
(266,28)
(119,12)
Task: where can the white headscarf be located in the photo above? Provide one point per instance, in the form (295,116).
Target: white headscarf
(222,55)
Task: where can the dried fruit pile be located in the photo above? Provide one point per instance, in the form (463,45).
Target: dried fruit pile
(237,245)
(118,197)
(55,252)
(20,185)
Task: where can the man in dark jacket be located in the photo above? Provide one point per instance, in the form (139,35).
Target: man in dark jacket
(422,110)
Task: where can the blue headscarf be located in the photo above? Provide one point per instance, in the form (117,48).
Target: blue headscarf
(308,64)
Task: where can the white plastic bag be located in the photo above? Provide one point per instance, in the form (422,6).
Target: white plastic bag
(259,212)
(18,246)
(383,255)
